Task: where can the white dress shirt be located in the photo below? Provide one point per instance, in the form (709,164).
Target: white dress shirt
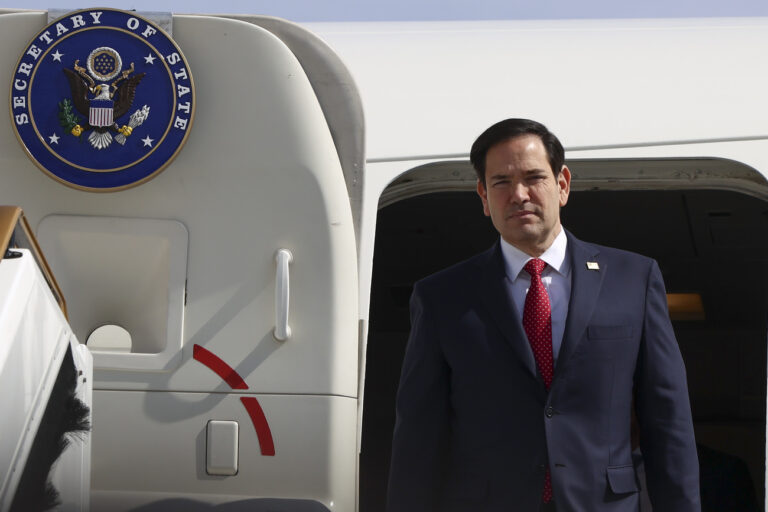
(556,278)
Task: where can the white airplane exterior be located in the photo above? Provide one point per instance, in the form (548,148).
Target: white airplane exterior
(263,273)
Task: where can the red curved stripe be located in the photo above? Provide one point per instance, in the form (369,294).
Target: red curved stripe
(221,368)
(260,424)
(235,381)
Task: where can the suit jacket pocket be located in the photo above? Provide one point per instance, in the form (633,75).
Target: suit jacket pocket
(609,332)
(622,479)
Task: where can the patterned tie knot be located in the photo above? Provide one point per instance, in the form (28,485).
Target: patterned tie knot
(534,267)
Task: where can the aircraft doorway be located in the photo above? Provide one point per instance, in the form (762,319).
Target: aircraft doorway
(696,235)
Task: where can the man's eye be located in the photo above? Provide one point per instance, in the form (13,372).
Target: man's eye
(500,182)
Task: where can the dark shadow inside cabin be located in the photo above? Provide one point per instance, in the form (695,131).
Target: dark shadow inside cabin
(707,242)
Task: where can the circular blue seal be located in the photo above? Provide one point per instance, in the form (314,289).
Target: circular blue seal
(102,99)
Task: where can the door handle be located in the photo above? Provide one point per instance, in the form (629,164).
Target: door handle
(283,257)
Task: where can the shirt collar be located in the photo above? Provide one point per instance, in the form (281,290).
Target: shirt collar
(554,257)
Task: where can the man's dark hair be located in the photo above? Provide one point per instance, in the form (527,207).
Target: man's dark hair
(509,129)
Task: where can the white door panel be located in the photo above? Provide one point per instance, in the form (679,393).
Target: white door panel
(259,173)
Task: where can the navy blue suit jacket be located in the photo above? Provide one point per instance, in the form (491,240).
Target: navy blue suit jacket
(476,426)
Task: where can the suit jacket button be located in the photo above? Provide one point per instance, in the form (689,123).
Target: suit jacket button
(549,412)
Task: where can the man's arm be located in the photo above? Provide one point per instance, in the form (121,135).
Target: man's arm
(421,427)
(664,412)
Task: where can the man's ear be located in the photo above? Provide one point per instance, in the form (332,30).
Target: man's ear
(564,184)
(484,197)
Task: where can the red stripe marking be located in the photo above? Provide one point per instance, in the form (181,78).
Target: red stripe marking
(251,405)
(260,424)
(221,368)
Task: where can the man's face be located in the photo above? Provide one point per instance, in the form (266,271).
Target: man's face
(522,195)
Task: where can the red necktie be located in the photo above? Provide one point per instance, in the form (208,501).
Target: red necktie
(537,322)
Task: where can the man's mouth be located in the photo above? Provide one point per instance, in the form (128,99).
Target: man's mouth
(521,214)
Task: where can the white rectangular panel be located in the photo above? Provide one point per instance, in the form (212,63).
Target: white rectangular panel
(221,448)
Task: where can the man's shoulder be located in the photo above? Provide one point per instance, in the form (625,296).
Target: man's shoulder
(460,274)
(611,254)
(621,254)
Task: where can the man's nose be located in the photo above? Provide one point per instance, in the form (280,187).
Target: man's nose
(519,193)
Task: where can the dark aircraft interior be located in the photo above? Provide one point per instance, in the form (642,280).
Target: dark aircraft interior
(710,243)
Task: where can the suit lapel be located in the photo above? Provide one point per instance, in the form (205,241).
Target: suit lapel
(585,289)
(495,298)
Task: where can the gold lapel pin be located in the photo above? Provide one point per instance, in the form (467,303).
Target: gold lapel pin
(592,265)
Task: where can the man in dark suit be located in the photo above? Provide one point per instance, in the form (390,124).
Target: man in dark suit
(524,361)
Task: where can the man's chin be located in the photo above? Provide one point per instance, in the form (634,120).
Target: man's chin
(522,238)
(525,232)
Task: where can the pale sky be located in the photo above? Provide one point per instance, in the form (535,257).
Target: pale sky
(419,10)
